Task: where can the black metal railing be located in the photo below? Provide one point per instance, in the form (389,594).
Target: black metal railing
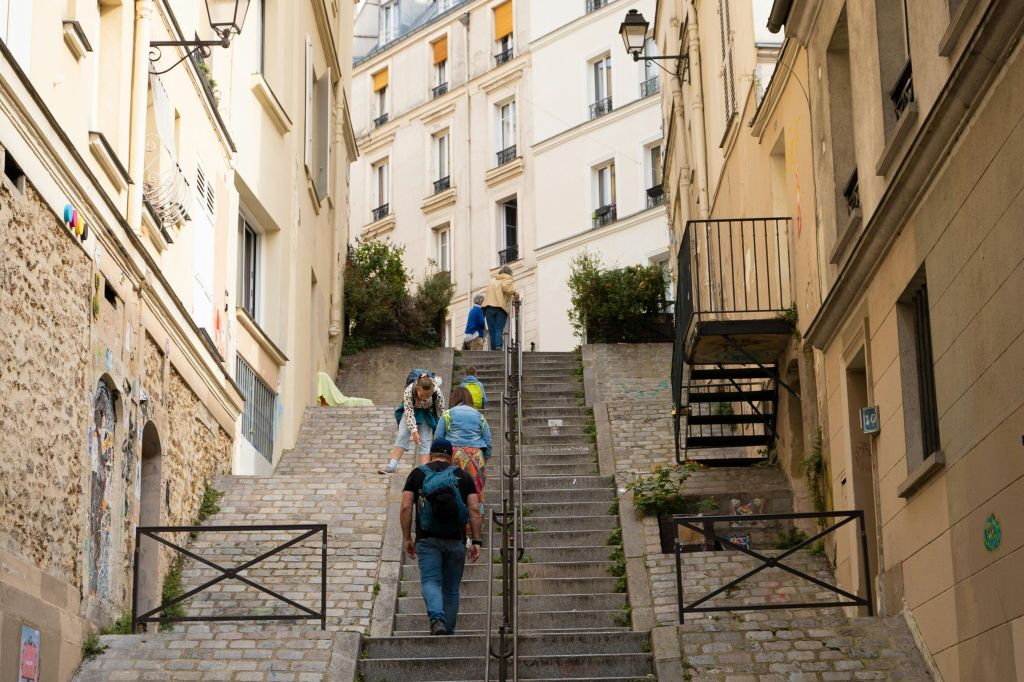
(440,90)
(508,255)
(442,184)
(601,107)
(651,86)
(705,525)
(655,196)
(851,193)
(380,120)
(594,5)
(504,56)
(506,155)
(604,215)
(902,93)
(231,573)
(382,211)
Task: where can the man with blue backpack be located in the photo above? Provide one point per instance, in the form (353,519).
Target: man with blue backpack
(444,498)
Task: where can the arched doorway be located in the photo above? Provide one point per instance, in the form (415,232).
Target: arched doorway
(149,515)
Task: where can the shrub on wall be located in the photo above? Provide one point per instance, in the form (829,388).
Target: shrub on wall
(615,304)
(379,306)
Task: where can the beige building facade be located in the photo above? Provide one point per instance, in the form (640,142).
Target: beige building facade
(510,132)
(172,283)
(893,130)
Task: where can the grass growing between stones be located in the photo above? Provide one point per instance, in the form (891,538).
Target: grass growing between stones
(615,538)
(91,647)
(172,589)
(621,585)
(624,618)
(121,626)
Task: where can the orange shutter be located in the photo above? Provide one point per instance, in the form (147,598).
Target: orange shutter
(380,80)
(503,20)
(441,50)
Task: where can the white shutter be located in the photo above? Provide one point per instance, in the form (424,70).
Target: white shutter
(203,246)
(309,106)
(321,179)
(16,29)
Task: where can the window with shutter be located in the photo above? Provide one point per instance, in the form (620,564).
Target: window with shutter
(322,127)
(308,155)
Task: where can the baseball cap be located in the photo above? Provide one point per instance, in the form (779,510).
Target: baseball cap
(441,446)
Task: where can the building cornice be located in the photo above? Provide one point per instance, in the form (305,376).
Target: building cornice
(323,26)
(997,33)
(575,240)
(504,76)
(499,174)
(577,23)
(587,127)
(436,202)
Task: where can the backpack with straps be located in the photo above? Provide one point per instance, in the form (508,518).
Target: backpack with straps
(443,511)
(475,390)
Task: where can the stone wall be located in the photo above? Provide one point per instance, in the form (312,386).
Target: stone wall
(379,373)
(637,371)
(79,381)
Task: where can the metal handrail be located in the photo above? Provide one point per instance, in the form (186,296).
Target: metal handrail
(232,573)
(706,526)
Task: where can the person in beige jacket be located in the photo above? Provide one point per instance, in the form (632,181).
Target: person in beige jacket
(497,298)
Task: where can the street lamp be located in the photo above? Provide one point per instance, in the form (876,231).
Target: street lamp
(226,19)
(634,35)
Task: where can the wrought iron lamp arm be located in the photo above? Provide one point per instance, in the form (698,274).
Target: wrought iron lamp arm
(683,72)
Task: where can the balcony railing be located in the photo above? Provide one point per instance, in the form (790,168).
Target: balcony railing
(508,255)
(382,211)
(441,89)
(851,193)
(594,5)
(604,216)
(651,86)
(902,93)
(506,155)
(505,56)
(442,184)
(380,120)
(655,196)
(600,107)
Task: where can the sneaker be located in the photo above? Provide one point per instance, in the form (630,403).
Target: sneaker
(437,628)
(386,470)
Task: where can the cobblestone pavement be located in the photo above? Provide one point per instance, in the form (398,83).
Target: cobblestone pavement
(328,478)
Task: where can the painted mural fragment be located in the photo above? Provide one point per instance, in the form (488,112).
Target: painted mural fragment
(28,655)
(101,458)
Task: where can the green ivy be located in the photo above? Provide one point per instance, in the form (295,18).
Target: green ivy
(790,537)
(661,491)
(172,589)
(813,467)
(614,304)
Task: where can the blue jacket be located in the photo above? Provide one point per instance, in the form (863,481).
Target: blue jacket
(464,427)
(475,322)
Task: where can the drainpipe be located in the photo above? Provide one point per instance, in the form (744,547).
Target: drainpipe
(139,104)
(464,20)
(700,150)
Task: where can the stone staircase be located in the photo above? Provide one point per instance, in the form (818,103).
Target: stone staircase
(574,616)
(328,479)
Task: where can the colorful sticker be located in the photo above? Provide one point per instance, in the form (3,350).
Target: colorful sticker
(28,663)
(993,533)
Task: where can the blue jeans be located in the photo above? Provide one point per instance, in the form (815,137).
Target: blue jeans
(496,318)
(441,565)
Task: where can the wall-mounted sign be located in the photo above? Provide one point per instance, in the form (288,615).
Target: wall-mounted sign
(869,421)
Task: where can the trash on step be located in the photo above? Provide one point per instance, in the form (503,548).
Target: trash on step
(554,425)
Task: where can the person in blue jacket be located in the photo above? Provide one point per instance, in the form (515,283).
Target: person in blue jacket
(476,327)
(469,434)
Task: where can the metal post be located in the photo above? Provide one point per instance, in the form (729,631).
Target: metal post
(679,576)
(135,581)
(867,561)
(323,580)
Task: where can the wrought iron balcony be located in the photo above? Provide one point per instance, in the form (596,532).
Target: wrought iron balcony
(594,5)
(506,155)
(381,212)
(441,89)
(380,120)
(600,107)
(442,184)
(735,284)
(604,215)
(851,193)
(651,86)
(655,196)
(902,93)
(503,57)
(508,255)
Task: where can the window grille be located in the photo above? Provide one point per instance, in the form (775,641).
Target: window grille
(260,405)
(925,373)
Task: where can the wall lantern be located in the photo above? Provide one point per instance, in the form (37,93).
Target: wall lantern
(634,35)
(226,19)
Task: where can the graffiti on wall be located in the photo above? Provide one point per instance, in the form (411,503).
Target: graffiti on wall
(101,458)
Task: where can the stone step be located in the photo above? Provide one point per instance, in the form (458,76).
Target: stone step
(557,508)
(567,482)
(536,570)
(556,666)
(529,645)
(528,586)
(469,605)
(568,497)
(548,620)
(587,468)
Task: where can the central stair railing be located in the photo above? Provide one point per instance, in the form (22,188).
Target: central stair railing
(509,518)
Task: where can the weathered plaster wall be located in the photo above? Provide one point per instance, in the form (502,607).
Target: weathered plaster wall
(638,371)
(379,373)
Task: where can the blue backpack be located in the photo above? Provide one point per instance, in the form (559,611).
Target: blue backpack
(443,511)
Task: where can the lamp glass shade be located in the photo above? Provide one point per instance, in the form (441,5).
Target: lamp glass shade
(227,16)
(634,32)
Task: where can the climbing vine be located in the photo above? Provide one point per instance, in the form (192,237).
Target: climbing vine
(814,468)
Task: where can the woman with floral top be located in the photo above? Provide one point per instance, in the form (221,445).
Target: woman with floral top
(417,417)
